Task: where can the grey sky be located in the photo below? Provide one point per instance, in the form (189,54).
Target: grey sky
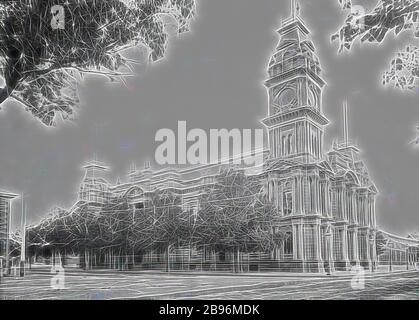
(212,78)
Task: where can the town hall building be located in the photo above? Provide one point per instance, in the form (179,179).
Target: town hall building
(325,200)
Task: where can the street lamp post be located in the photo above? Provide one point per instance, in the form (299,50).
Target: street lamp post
(23,244)
(407,258)
(328,236)
(391,260)
(372,250)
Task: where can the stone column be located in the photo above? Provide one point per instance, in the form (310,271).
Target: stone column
(361,210)
(374,223)
(294,192)
(343,199)
(317,242)
(275,193)
(318,194)
(295,242)
(342,203)
(365,206)
(301,194)
(345,256)
(373,251)
(301,242)
(329,248)
(368,210)
(338,203)
(307,191)
(358,207)
(280,202)
(307,138)
(327,201)
(355,246)
(315,194)
(367,247)
(297,194)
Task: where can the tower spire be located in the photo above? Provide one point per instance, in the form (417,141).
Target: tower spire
(295,9)
(295,100)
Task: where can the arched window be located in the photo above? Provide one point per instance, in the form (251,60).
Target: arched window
(288,250)
(312,100)
(289,144)
(283,144)
(287,199)
(330,206)
(271,191)
(311,194)
(287,60)
(313,145)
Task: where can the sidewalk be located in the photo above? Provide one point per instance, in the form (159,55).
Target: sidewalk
(273,274)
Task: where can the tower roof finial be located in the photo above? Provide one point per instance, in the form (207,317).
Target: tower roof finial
(295,8)
(345,123)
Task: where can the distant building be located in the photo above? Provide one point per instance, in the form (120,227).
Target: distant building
(5,214)
(325,200)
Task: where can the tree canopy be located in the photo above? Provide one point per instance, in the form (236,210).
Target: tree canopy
(235,214)
(42,64)
(388,15)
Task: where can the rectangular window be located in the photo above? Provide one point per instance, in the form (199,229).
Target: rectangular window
(323,244)
(309,243)
(362,244)
(350,242)
(337,244)
(288,250)
(287,199)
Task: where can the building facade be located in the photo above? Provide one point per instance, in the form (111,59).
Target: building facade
(325,200)
(5,213)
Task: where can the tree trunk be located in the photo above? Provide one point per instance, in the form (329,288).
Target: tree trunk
(189,257)
(202,257)
(239,260)
(168,259)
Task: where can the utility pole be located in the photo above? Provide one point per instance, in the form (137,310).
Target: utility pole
(407,258)
(391,259)
(23,244)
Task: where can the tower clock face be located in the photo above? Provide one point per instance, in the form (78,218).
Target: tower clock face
(286,98)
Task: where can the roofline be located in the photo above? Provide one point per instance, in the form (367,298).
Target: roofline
(8,195)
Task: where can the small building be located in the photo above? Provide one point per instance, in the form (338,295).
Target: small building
(5,214)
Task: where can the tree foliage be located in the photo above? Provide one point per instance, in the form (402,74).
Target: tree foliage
(388,15)
(404,69)
(41,65)
(234,214)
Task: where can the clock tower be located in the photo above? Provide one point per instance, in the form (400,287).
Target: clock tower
(295,121)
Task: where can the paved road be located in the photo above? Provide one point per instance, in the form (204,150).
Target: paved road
(145,285)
